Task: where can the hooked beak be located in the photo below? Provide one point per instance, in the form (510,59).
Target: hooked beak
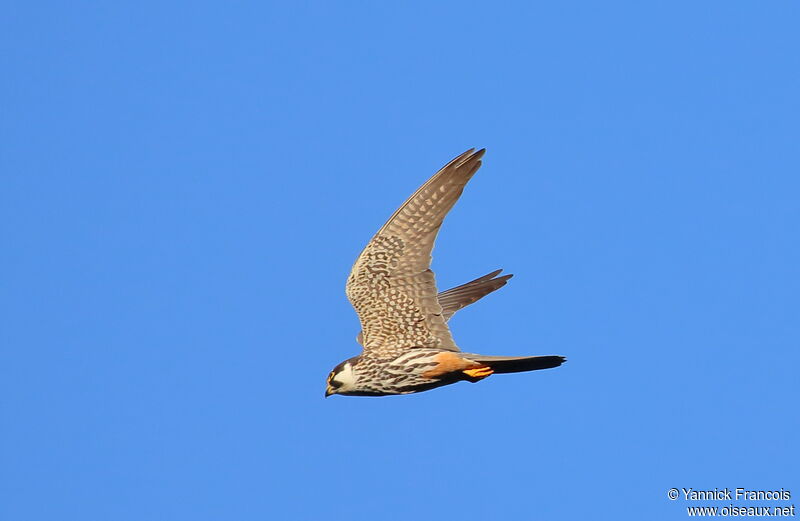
(329,391)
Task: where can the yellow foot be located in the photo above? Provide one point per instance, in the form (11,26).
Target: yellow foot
(479,372)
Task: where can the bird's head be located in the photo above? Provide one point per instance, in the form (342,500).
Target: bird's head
(343,378)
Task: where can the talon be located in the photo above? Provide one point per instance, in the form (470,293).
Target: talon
(479,372)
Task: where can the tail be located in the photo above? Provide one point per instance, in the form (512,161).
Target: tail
(516,364)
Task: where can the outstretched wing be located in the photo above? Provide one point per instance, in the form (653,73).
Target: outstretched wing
(462,296)
(391,285)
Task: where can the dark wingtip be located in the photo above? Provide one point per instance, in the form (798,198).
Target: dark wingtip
(471,158)
(494,275)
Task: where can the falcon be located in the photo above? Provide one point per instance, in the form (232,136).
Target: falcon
(407,345)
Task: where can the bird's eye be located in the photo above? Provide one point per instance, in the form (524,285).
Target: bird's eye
(334,383)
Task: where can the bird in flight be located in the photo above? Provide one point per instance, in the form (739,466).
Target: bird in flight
(407,346)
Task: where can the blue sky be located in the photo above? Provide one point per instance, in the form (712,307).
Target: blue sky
(185,187)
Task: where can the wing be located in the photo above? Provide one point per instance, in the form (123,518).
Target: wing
(391,285)
(461,296)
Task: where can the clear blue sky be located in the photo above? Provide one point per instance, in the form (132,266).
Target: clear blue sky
(185,187)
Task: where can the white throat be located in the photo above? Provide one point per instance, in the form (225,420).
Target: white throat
(346,378)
